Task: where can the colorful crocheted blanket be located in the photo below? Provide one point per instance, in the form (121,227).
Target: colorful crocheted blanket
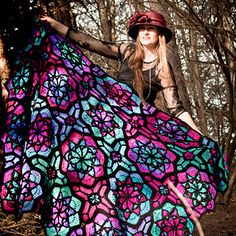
(81,150)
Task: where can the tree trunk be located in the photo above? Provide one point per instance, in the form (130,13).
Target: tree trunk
(197,84)
(105,21)
(4,76)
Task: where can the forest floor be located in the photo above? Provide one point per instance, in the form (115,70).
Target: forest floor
(222,222)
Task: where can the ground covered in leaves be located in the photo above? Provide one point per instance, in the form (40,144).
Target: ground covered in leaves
(222,222)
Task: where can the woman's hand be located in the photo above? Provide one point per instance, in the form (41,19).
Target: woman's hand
(59,27)
(50,20)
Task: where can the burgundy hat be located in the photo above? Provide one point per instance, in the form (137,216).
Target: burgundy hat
(148,18)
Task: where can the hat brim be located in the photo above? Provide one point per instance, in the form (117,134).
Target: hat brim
(133,31)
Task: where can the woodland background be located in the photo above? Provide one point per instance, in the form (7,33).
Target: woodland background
(202,53)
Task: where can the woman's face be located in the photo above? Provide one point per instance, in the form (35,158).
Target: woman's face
(148,35)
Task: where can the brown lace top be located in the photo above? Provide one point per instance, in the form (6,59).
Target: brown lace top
(151,86)
(155,79)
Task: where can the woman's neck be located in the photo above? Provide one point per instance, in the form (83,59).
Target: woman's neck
(149,55)
(150,58)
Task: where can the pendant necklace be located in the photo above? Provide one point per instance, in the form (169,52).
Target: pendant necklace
(150,83)
(149,77)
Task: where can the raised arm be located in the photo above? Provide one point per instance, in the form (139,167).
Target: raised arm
(170,89)
(107,49)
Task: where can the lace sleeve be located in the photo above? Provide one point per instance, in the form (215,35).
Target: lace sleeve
(170,93)
(173,104)
(107,49)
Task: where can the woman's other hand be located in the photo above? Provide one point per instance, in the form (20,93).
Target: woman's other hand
(58,26)
(50,20)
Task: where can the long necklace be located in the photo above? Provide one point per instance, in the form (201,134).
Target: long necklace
(150,83)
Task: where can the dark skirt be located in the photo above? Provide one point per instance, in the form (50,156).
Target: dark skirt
(81,150)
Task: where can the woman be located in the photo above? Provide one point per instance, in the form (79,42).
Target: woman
(82,151)
(144,64)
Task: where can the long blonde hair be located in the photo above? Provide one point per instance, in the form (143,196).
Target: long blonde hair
(136,64)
